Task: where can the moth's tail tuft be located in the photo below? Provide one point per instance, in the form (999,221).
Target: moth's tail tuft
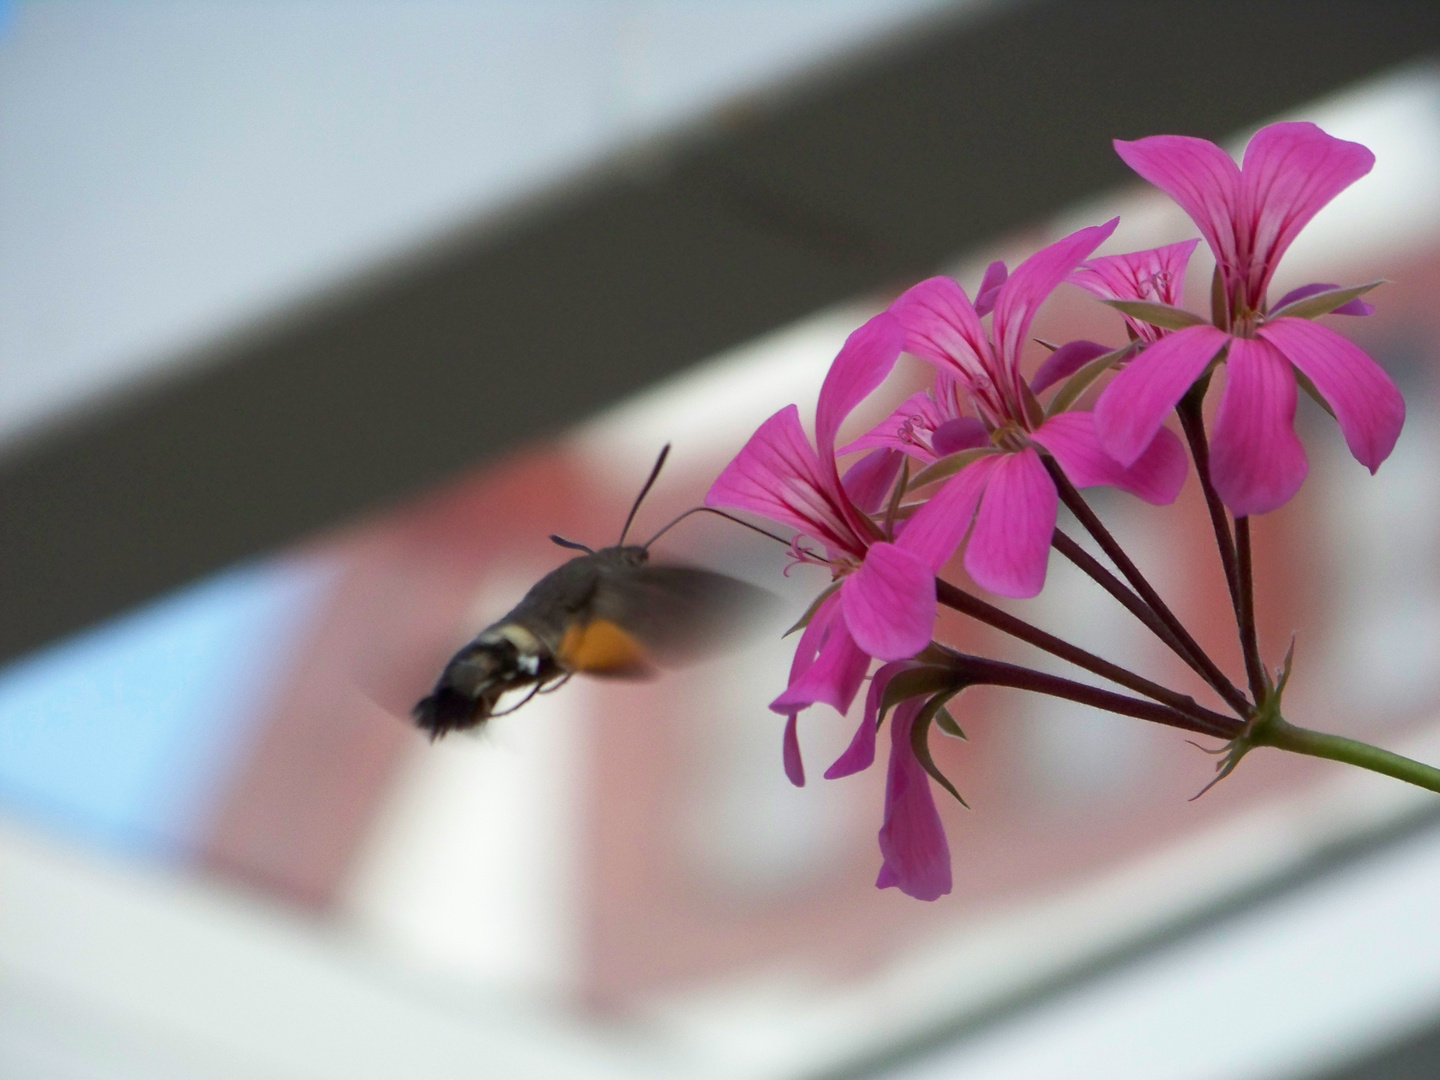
(446,710)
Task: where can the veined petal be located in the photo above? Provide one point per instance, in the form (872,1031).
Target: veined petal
(995,275)
(1156,275)
(778,475)
(1290,171)
(1156,476)
(834,678)
(907,429)
(941,326)
(936,529)
(1366,402)
(790,752)
(1010,547)
(1256,460)
(1034,280)
(889,603)
(1131,409)
(1198,175)
(868,481)
(861,365)
(912,838)
(860,754)
(1064,362)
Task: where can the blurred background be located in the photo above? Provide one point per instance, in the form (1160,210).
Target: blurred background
(316,319)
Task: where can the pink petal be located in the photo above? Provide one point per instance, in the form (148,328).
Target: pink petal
(889,603)
(936,529)
(1357,306)
(868,481)
(941,326)
(1131,409)
(912,838)
(1034,280)
(962,433)
(778,475)
(1366,402)
(1256,461)
(1010,547)
(1290,171)
(1156,274)
(861,365)
(995,275)
(1199,176)
(860,754)
(834,678)
(907,429)
(790,753)
(1064,362)
(1157,475)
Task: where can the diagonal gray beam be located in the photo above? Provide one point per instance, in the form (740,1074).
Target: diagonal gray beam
(856,181)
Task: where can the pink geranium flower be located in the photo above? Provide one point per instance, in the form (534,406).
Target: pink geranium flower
(1156,275)
(885,606)
(916,856)
(1249,215)
(1015,496)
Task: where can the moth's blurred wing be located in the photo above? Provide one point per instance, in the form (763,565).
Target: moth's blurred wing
(679,613)
(602,646)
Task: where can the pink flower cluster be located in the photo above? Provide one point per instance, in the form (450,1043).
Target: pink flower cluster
(993,447)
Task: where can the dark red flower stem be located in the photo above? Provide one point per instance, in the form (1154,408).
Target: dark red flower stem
(1249,641)
(978,609)
(1194,426)
(977,670)
(1094,569)
(1197,658)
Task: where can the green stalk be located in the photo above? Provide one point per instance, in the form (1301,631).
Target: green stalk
(1278,733)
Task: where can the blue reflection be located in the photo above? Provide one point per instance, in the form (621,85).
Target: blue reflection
(125,733)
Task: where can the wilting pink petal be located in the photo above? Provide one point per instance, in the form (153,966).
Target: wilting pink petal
(962,433)
(834,678)
(1157,475)
(1010,546)
(907,429)
(778,475)
(1064,362)
(936,529)
(889,603)
(861,365)
(1035,279)
(1198,175)
(1366,402)
(1256,461)
(941,326)
(1131,409)
(868,481)
(1290,171)
(860,754)
(912,838)
(1358,306)
(995,275)
(790,754)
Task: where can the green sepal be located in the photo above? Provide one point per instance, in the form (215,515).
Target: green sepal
(902,484)
(1311,389)
(1161,315)
(945,721)
(804,620)
(1312,307)
(949,465)
(920,743)
(1078,383)
(916,682)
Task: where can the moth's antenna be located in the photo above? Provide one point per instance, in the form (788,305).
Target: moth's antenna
(717,513)
(573,545)
(654,473)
